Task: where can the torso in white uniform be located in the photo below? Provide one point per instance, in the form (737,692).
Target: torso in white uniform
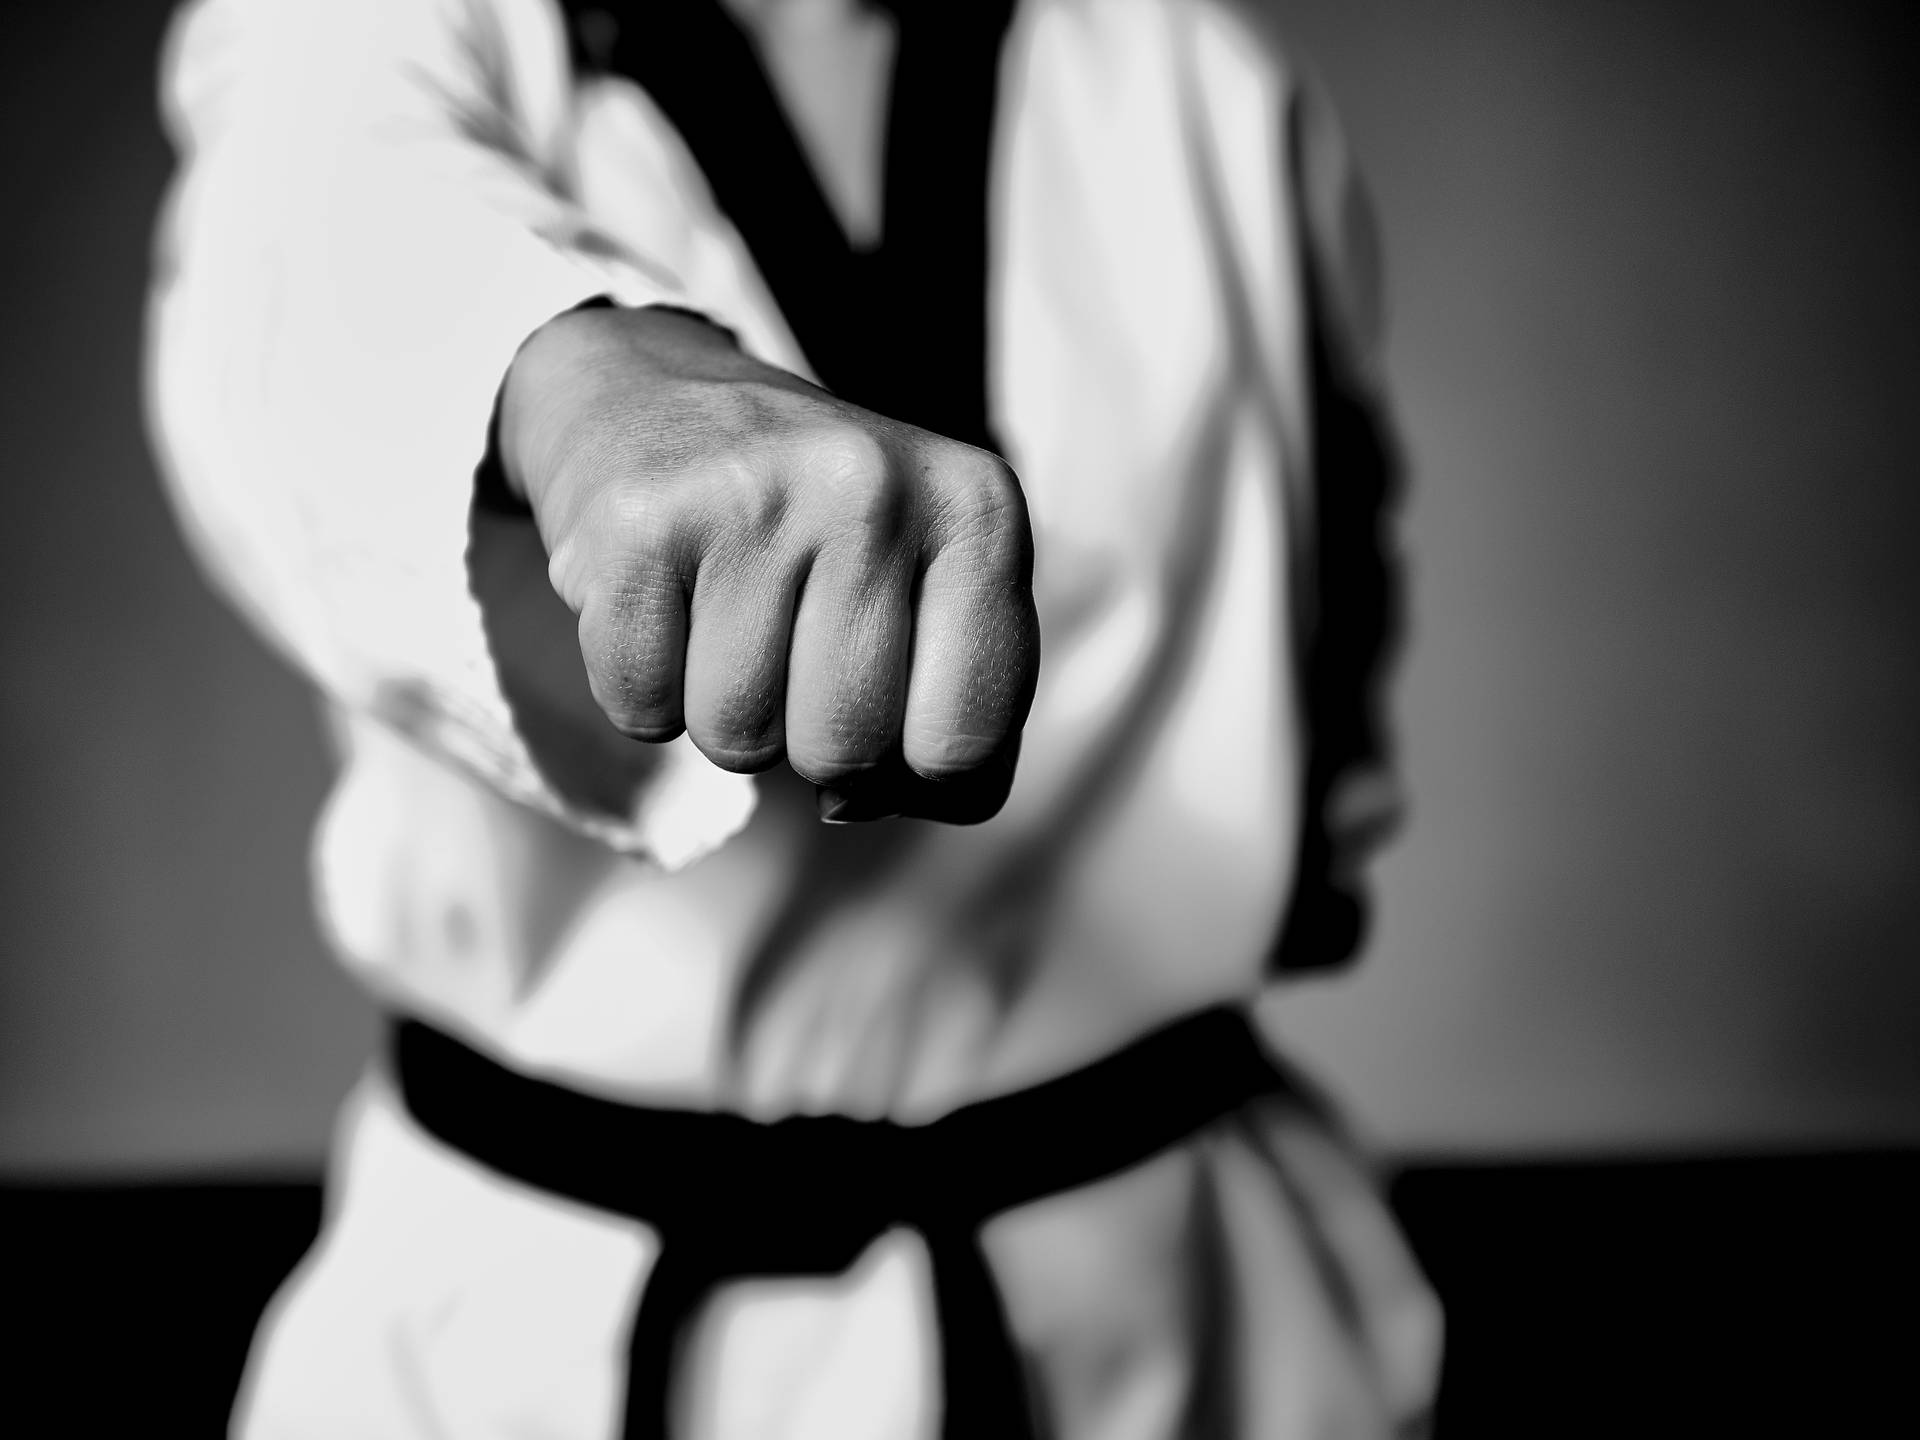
(1141,867)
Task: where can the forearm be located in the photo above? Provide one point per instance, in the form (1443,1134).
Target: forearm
(347,268)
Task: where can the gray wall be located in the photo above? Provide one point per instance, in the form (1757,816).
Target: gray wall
(164,1000)
(1657,339)
(1655,325)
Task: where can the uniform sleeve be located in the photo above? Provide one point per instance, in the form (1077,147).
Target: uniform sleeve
(1351,628)
(372,212)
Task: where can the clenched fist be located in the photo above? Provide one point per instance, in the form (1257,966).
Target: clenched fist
(780,573)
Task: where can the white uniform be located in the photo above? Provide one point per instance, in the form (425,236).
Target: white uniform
(379,200)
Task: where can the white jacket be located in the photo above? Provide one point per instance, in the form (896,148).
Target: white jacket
(378,201)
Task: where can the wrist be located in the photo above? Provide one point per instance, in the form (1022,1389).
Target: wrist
(595,349)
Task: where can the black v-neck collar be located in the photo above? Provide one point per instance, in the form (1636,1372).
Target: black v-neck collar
(901,328)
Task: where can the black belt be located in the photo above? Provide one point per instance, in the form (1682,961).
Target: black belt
(732,1198)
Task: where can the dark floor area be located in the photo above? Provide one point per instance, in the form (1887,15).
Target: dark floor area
(1758,1297)
(1752,1297)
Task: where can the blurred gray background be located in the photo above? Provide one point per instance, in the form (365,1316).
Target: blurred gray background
(1654,336)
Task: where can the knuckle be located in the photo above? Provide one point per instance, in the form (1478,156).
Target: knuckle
(742,756)
(983,509)
(624,543)
(568,574)
(862,488)
(740,503)
(638,694)
(651,732)
(635,520)
(631,594)
(640,712)
(637,586)
(829,769)
(640,719)
(637,707)
(741,730)
(846,453)
(836,760)
(941,754)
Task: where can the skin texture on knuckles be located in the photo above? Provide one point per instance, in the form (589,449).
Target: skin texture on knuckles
(785,576)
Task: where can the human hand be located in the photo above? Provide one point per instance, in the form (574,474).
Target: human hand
(780,573)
